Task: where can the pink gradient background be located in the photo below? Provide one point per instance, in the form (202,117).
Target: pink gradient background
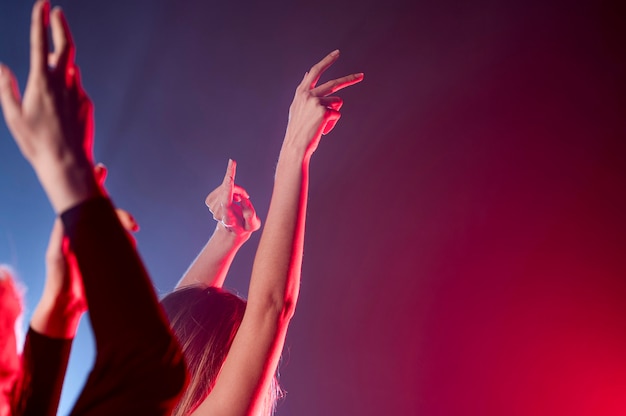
(466,240)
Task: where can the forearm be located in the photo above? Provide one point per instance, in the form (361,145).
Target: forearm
(276,273)
(130,330)
(67,183)
(251,362)
(44,363)
(66,180)
(212,264)
(112,271)
(62,302)
(57,316)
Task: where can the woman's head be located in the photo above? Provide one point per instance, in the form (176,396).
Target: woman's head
(205,321)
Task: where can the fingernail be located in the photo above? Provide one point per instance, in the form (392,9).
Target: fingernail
(335,52)
(359,75)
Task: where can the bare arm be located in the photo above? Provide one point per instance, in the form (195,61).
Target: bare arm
(52,124)
(63,302)
(54,323)
(236,221)
(252,360)
(52,328)
(212,264)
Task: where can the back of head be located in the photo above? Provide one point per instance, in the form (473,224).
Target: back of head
(205,321)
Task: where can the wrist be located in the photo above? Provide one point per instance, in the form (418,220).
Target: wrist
(294,148)
(67,182)
(58,317)
(62,302)
(229,238)
(292,160)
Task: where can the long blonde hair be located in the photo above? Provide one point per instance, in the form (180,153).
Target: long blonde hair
(205,321)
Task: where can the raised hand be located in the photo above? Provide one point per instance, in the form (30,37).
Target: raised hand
(236,221)
(55,112)
(231,206)
(314,111)
(248,371)
(53,123)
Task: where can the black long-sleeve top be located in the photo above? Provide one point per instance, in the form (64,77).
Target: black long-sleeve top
(139,369)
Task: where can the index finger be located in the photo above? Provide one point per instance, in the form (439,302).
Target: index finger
(335,85)
(318,69)
(62,40)
(39,38)
(241,191)
(229,178)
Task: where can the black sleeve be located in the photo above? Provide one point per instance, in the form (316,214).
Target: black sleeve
(44,361)
(139,369)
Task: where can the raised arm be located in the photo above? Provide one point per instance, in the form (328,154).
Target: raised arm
(138,367)
(63,302)
(54,323)
(52,329)
(236,221)
(251,363)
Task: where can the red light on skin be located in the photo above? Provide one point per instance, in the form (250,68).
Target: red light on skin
(10,312)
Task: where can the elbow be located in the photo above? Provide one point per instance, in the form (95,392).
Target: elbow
(285,302)
(288,309)
(277,305)
(280,309)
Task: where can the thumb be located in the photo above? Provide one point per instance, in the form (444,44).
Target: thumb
(100,172)
(10,99)
(127,220)
(251,220)
(332,119)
